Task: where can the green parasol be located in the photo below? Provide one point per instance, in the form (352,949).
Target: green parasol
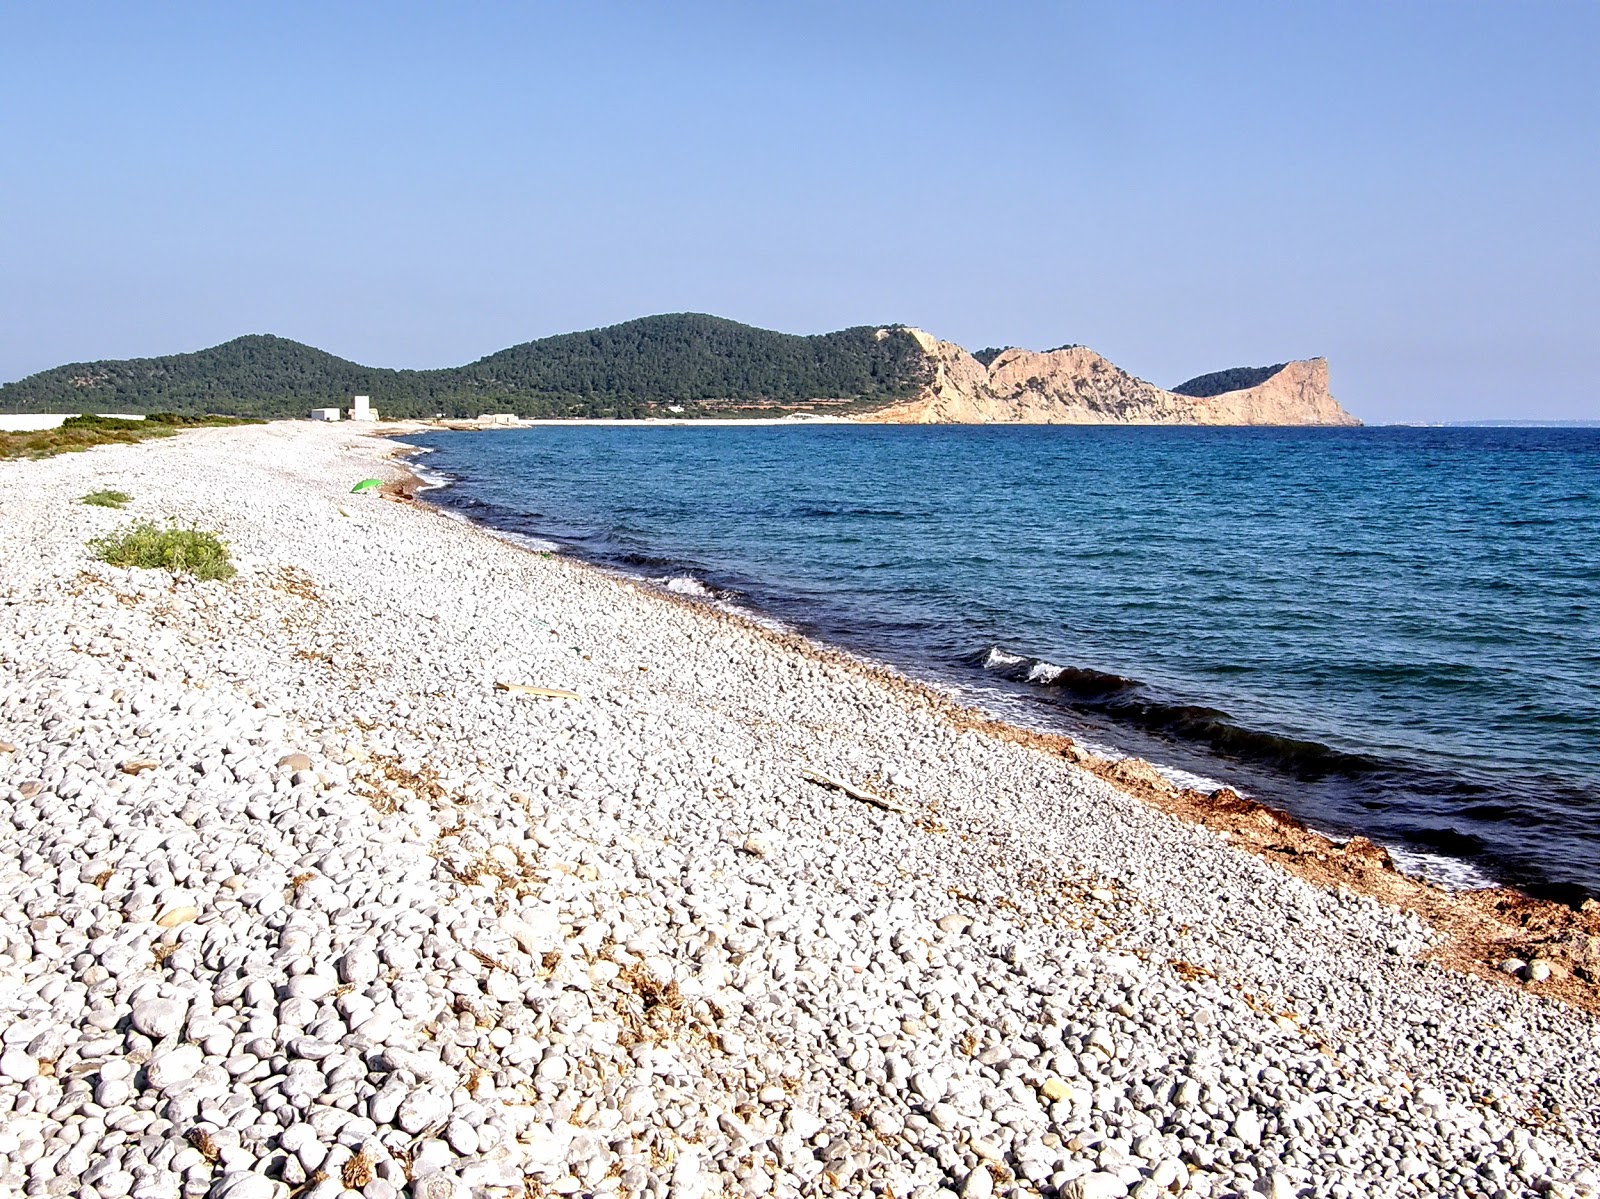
(367,485)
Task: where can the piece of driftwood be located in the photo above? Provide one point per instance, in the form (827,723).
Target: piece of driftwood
(543,692)
(877,801)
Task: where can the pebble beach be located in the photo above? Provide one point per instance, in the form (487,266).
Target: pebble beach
(310,887)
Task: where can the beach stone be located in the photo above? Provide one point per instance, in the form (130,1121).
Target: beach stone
(1277,1185)
(170,1067)
(420,1065)
(979,1184)
(422,1109)
(1095,1185)
(311,986)
(159,1018)
(1247,1127)
(359,966)
(462,1137)
(242,1184)
(180,914)
(438,1185)
(18,1065)
(535,928)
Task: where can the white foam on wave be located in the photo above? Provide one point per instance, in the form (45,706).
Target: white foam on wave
(692,588)
(537,544)
(997,657)
(1450,873)
(771,623)
(1044,672)
(687,585)
(431,480)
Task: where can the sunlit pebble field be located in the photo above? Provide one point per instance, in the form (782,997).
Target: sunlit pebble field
(294,900)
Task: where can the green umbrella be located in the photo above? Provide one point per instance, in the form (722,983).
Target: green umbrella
(367,484)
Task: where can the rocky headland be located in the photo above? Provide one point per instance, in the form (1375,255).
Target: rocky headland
(411,862)
(1076,386)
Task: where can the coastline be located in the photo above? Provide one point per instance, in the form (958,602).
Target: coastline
(1481,927)
(1028,906)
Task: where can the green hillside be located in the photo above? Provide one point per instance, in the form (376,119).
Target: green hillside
(705,364)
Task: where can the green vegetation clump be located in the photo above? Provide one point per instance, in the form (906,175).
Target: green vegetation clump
(106,499)
(1220,382)
(704,364)
(87,431)
(181,551)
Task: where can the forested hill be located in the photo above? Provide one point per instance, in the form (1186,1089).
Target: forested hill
(702,363)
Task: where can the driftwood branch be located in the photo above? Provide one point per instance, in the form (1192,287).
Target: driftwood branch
(877,801)
(543,692)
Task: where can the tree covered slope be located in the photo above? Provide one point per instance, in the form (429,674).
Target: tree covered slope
(702,363)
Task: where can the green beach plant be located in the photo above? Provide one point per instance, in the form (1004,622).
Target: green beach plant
(181,551)
(106,499)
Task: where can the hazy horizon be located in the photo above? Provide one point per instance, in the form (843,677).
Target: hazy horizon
(1406,191)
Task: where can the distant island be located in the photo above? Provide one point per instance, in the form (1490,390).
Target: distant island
(688,366)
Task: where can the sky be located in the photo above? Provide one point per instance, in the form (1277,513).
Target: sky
(1410,189)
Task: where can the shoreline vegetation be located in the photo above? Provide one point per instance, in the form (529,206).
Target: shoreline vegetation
(407,854)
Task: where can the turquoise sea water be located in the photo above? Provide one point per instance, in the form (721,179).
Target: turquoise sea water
(1388,631)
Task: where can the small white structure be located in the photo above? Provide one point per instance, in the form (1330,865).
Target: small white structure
(362,409)
(324,414)
(498,418)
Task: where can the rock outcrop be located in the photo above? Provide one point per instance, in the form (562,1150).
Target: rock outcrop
(1076,386)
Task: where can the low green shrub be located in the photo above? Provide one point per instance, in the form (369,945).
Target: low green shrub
(182,551)
(106,499)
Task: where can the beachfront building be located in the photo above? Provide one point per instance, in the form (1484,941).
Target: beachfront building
(324,414)
(362,409)
(498,418)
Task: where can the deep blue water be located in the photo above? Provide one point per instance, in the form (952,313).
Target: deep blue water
(1389,631)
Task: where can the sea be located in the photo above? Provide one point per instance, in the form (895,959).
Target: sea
(1386,631)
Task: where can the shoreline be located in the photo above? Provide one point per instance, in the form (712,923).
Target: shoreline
(1477,800)
(1483,926)
(627,943)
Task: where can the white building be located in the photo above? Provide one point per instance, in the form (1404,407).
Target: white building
(362,409)
(498,418)
(324,414)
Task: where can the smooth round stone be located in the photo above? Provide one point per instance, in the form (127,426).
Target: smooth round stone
(159,1018)
(112,1093)
(178,914)
(462,1136)
(422,1109)
(18,1065)
(359,967)
(978,1185)
(243,1184)
(1094,1186)
(174,1066)
(311,986)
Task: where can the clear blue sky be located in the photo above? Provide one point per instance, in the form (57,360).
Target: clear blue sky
(1411,189)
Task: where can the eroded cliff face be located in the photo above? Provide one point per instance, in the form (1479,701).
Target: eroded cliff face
(1076,386)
